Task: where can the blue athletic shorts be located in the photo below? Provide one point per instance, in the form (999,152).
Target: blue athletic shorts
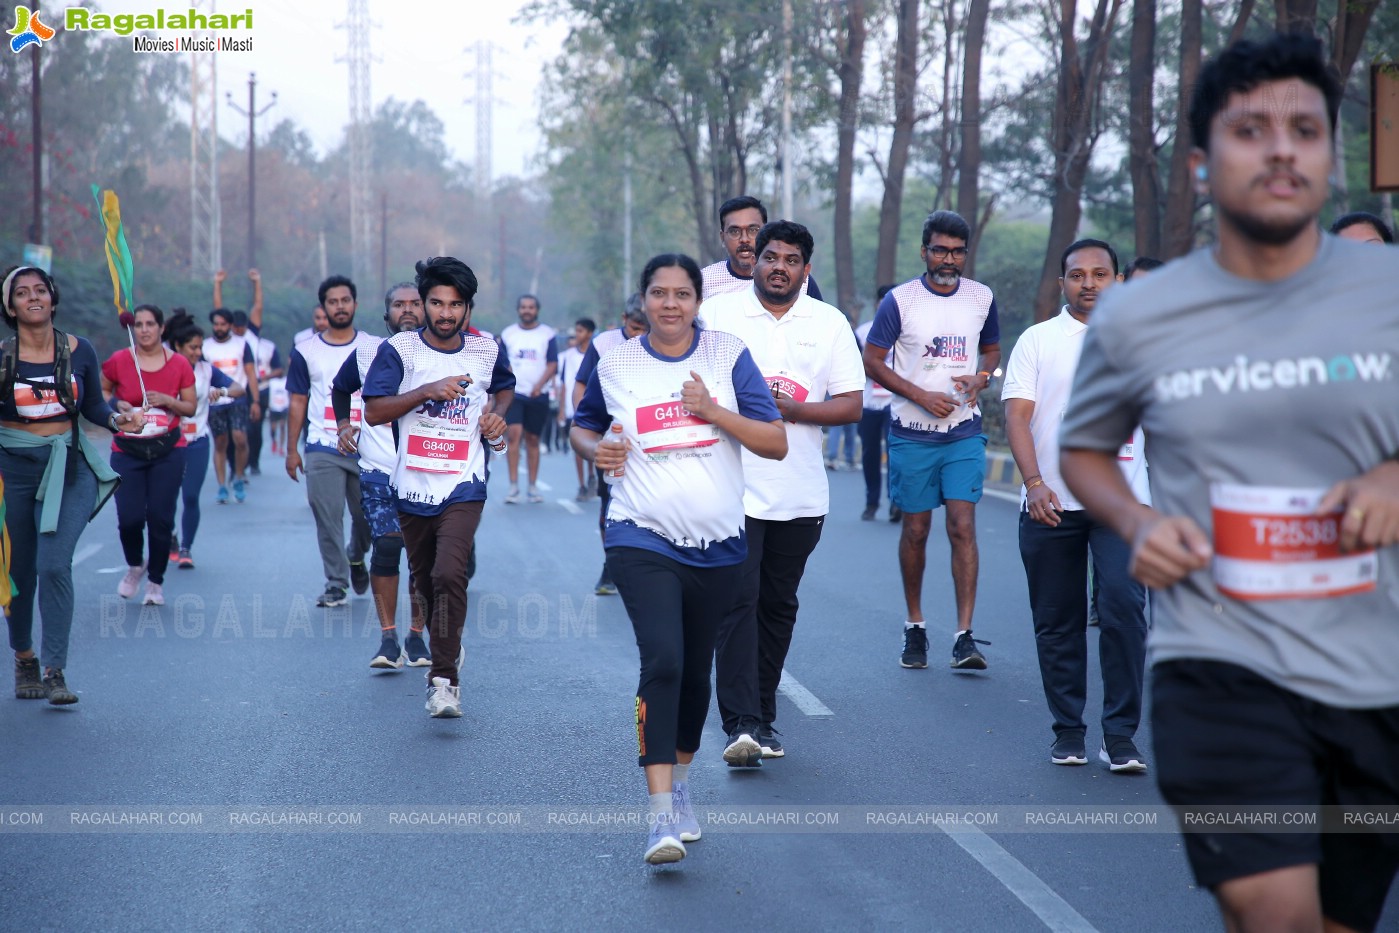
(379,504)
(922,476)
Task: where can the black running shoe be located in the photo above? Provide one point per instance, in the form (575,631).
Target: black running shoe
(605,586)
(743,751)
(332,597)
(359,577)
(965,656)
(389,656)
(28,684)
(57,690)
(1121,755)
(768,739)
(915,647)
(418,655)
(1068,748)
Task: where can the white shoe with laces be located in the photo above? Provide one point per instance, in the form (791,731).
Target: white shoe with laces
(155,596)
(443,699)
(127,587)
(683,814)
(663,845)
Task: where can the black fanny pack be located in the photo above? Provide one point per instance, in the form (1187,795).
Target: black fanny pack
(147,448)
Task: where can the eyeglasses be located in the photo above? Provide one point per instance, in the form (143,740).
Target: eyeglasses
(733,233)
(942,252)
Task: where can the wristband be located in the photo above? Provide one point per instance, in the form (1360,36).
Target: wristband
(1038,482)
(982,372)
(112,422)
(1035,476)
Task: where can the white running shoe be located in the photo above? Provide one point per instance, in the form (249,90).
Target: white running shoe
(443,700)
(155,596)
(513,497)
(127,587)
(663,845)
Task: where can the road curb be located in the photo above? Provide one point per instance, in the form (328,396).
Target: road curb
(1001,471)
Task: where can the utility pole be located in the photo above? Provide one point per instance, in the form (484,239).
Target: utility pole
(484,100)
(206,222)
(36,229)
(384,242)
(252,113)
(357,28)
(787,207)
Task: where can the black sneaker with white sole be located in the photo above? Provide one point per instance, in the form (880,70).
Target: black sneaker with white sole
(359,577)
(1121,756)
(965,656)
(743,751)
(769,742)
(1069,749)
(915,647)
(332,597)
(389,657)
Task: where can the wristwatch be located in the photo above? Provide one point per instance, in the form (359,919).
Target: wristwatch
(112,422)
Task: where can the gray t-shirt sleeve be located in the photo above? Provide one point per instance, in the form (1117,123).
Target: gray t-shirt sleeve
(1104,404)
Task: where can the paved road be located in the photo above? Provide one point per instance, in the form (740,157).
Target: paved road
(234,764)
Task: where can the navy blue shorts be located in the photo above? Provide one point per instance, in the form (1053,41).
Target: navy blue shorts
(380,504)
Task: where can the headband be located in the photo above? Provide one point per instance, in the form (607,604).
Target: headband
(10,281)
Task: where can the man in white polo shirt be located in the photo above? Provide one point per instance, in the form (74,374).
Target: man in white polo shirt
(534,358)
(806,351)
(1058,538)
(740,220)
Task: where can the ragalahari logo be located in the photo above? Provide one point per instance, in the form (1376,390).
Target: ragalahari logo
(28,30)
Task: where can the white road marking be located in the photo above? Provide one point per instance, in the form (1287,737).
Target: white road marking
(540,484)
(1054,912)
(805,700)
(84,552)
(570,506)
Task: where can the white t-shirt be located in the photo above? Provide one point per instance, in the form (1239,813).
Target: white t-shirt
(530,352)
(935,337)
(278,399)
(314,364)
(439,460)
(808,353)
(376,447)
(718,279)
(569,361)
(682,495)
(205,378)
(229,357)
(876,397)
(266,353)
(1041,370)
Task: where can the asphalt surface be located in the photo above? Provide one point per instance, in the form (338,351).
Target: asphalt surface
(284,785)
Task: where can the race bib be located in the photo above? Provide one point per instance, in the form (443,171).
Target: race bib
(668,425)
(878,391)
(1127,452)
(356,414)
(158,422)
(33,403)
(1270,544)
(189,428)
(437,447)
(789,384)
(229,367)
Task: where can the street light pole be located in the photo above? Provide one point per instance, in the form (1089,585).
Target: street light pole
(252,113)
(787,207)
(36,229)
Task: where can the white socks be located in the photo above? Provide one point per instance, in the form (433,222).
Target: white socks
(908,625)
(660,805)
(681,774)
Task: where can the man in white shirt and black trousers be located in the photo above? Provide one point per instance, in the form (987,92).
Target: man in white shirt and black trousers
(806,351)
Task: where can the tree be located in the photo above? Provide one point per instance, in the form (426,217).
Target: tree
(1074,134)
(851,69)
(969,158)
(905,117)
(1146,183)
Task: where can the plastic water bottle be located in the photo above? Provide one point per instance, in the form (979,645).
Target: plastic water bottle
(614,437)
(959,394)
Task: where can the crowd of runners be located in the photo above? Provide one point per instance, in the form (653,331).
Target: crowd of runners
(1257,373)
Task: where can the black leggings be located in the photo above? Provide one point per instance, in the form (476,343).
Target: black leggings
(146,501)
(675,611)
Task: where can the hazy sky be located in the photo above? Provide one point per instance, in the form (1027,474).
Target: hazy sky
(422,50)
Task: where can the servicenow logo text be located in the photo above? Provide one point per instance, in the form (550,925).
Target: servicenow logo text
(1266,375)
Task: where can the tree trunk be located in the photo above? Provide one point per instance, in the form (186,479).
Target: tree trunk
(1296,16)
(1075,105)
(1352,22)
(969,159)
(1178,236)
(851,70)
(905,116)
(1146,183)
(946,157)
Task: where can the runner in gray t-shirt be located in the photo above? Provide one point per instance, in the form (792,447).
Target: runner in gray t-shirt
(1265,375)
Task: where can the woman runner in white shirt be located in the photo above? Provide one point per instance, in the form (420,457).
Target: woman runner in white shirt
(686,399)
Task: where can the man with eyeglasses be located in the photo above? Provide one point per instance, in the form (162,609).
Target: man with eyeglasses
(740,219)
(946,341)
